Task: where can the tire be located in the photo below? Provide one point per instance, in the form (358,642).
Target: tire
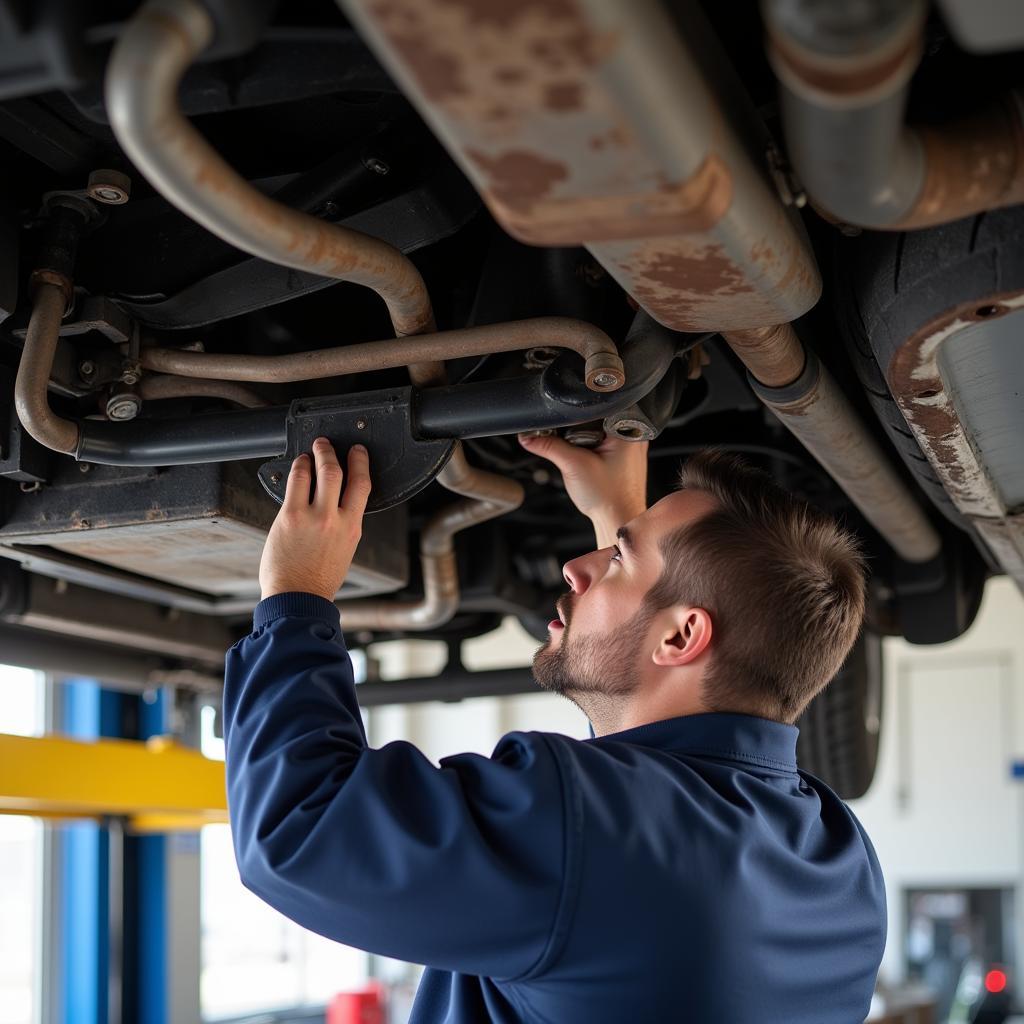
(889,285)
(841,727)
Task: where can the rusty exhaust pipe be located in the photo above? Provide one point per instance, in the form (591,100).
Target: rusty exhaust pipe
(157,386)
(806,398)
(844,72)
(603,371)
(592,123)
(157,46)
(49,299)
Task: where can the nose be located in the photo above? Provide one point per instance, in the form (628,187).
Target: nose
(581,573)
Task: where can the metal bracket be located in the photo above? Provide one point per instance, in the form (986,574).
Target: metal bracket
(400,464)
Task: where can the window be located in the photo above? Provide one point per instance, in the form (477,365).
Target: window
(21,859)
(254,959)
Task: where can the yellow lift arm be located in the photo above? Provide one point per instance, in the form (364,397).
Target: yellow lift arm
(158,785)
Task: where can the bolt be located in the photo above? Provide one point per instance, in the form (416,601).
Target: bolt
(84,467)
(360,424)
(275,478)
(123,406)
(376,165)
(86,369)
(329,209)
(605,380)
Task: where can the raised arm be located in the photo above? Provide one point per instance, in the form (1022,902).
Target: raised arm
(608,484)
(463,866)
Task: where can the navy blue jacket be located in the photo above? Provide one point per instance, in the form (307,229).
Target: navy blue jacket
(679,871)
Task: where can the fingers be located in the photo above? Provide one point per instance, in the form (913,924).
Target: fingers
(296,492)
(328,475)
(357,490)
(564,455)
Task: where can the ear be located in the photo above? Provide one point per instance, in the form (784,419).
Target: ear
(685,639)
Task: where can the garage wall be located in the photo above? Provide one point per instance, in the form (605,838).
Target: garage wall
(944,809)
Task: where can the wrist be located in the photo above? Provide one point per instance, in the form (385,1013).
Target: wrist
(606,521)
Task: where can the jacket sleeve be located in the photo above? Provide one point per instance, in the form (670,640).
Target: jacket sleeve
(462,867)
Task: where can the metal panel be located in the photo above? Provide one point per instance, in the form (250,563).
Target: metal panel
(964,411)
(190,536)
(590,122)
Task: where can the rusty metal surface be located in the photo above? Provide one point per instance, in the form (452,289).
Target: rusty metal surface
(159,43)
(188,537)
(603,366)
(844,109)
(588,122)
(157,386)
(774,355)
(834,75)
(830,429)
(972,164)
(916,382)
(806,398)
(30,388)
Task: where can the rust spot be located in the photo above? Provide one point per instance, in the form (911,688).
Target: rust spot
(437,73)
(915,382)
(517,178)
(709,270)
(503,15)
(971,165)
(563,96)
(509,76)
(848,77)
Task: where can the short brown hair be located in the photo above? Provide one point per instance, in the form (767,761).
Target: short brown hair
(783,583)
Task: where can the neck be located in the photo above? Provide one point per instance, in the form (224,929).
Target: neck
(609,714)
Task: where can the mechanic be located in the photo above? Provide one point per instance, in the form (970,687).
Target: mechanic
(676,866)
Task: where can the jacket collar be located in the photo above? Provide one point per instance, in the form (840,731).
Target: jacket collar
(717,734)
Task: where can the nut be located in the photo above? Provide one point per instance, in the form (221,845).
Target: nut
(110,187)
(124,405)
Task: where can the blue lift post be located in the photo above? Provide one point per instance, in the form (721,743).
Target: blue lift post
(113,917)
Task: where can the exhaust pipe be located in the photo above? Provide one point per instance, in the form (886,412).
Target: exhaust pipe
(157,46)
(593,123)
(603,369)
(806,398)
(844,71)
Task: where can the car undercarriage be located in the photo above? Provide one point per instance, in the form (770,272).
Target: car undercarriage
(427,225)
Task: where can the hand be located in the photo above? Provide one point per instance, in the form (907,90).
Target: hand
(310,544)
(608,484)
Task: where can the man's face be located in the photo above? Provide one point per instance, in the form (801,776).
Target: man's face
(599,648)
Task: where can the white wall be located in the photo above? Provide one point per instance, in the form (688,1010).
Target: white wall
(944,810)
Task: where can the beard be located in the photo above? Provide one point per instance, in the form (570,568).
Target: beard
(593,671)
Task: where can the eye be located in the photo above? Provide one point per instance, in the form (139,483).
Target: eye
(616,553)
